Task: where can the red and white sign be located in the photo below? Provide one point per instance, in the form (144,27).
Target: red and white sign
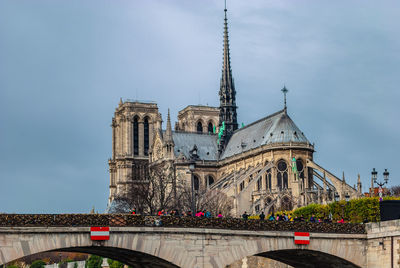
(100,233)
(301,238)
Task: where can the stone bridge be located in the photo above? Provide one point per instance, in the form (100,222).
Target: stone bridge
(206,247)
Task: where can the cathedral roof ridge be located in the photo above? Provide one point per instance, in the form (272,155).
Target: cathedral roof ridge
(260,120)
(277,128)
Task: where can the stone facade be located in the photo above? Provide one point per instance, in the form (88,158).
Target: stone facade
(133,128)
(196,118)
(195,248)
(384,244)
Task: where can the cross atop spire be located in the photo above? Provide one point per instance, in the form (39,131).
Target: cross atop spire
(285,91)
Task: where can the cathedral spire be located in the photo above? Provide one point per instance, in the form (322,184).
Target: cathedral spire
(227,95)
(168,132)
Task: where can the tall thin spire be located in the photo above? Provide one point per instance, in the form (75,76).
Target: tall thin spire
(285,91)
(168,132)
(227,94)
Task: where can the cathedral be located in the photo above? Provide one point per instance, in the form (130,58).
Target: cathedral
(265,166)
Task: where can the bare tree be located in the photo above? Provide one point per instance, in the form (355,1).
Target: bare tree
(395,190)
(216,202)
(148,196)
(211,200)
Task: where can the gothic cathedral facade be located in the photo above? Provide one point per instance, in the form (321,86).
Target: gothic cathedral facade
(265,166)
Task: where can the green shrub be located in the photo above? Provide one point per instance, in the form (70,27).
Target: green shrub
(116,264)
(356,210)
(94,261)
(38,264)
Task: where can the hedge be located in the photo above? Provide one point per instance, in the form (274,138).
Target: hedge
(354,211)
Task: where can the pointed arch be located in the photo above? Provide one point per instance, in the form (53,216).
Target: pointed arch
(136,135)
(210,127)
(210,180)
(199,127)
(146,135)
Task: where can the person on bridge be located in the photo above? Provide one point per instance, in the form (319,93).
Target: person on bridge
(161,213)
(219,215)
(208,214)
(245,215)
(272,217)
(262,215)
(313,219)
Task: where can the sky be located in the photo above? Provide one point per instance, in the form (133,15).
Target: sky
(64,65)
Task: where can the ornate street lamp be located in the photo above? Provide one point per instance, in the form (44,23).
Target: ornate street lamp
(386,175)
(337,197)
(374,175)
(347,197)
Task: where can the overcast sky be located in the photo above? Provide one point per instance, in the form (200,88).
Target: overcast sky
(65,64)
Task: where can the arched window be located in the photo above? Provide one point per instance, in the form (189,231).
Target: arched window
(196,182)
(146,136)
(300,170)
(268,176)
(199,127)
(136,136)
(279,181)
(282,176)
(210,128)
(210,180)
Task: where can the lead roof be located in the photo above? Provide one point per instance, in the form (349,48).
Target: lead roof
(273,129)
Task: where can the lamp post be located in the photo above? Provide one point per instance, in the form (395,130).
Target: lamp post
(191,168)
(374,175)
(337,197)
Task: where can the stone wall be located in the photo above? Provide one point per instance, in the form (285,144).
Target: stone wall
(384,244)
(183,247)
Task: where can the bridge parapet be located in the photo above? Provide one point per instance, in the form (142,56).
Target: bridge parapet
(127,220)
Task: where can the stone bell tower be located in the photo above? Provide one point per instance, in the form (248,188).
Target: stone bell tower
(133,128)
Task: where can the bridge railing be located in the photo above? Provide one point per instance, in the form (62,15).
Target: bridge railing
(127,220)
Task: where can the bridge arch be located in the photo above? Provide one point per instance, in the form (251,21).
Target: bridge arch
(182,247)
(307,258)
(126,256)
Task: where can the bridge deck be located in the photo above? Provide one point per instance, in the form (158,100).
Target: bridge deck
(127,220)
